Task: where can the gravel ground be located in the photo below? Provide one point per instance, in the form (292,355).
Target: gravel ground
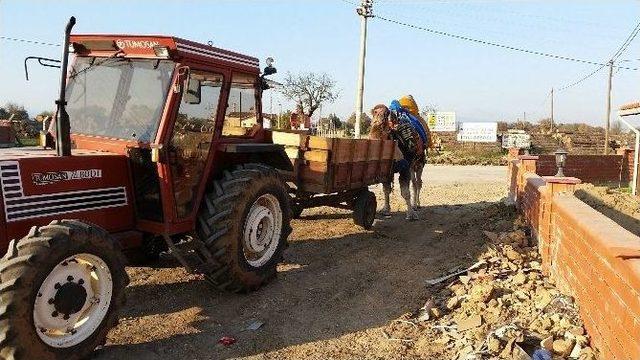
(337,289)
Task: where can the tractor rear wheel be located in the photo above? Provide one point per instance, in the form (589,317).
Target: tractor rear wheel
(364,209)
(60,288)
(245,222)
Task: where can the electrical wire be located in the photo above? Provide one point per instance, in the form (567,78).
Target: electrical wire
(584,78)
(498,45)
(28,41)
(626,43)
(616,55)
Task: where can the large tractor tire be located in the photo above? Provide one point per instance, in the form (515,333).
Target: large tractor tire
(245,222)
(61,287)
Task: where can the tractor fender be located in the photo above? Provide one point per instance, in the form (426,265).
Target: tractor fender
(267,154)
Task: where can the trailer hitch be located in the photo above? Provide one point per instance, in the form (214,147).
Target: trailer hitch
(42,61)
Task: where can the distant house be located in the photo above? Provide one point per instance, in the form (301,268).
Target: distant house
(248,119)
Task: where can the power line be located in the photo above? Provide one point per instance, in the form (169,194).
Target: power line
(626,43)
(494,44)
(582,78)
(27,41)
(615,56)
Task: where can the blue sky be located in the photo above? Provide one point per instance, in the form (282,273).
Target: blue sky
(480,83)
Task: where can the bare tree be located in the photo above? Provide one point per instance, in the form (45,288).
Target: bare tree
(309,90)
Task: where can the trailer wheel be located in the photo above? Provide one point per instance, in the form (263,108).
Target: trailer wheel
(60,288)
(364,209)
(245,222)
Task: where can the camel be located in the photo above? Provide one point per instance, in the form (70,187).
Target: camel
(385,125)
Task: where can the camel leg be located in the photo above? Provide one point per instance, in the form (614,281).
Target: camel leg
(405,180)
(386,209)
(416,181)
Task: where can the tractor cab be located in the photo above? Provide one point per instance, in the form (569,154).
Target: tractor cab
(179,110)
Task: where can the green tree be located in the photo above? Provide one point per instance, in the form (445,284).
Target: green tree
(365,124)
(18,112)
(331,121)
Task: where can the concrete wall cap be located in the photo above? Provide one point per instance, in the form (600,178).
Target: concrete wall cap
(562,180)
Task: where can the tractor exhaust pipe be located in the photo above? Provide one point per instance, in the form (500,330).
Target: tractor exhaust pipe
(63,128)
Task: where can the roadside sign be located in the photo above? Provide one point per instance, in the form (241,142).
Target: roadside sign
(516,139)
(442,121)
(478,132)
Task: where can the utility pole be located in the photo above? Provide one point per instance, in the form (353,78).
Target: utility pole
(552,110)
(606,131)
(365,11)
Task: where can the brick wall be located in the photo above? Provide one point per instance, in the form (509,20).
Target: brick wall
(587,254)
(588,168)
(627,164)
(588,262)
(626,173)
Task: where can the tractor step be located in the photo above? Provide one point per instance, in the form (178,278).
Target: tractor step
(191,253)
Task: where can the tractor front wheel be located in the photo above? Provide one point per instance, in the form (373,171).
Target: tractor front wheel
(60,288)
(245,222)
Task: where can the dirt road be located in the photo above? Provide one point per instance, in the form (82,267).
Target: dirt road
(338,286)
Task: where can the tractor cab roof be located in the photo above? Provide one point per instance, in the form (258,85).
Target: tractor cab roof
(160,47)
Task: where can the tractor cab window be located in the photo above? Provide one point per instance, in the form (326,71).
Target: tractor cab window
(241,114)
(118,97)
(192,135)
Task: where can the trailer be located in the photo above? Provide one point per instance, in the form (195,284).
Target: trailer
(336,172)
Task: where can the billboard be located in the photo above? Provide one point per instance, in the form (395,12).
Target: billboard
(442,121)
(516,139)
(478,132)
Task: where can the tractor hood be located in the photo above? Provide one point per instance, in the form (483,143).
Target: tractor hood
(38,187)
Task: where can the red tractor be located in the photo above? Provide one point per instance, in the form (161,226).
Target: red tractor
(159,146)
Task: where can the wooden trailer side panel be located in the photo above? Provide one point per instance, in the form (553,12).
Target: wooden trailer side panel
(329,165)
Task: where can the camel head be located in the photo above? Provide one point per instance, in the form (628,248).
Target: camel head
(380,122)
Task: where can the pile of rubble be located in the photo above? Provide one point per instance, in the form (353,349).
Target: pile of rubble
(501,307)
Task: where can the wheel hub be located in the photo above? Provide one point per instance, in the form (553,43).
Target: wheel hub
(262,229)
(259,228)
(70,298)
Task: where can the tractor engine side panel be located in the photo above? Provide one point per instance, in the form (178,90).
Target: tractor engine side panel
(93,188)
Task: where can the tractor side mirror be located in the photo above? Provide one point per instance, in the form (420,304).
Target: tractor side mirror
(182,78)
(193,92)
(191,88)
(269,70)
